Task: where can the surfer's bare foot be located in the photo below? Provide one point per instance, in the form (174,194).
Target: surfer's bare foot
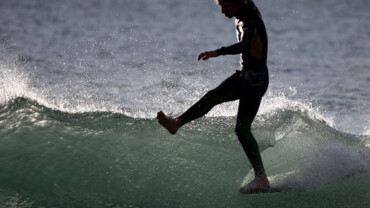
(259,184)
(171,124)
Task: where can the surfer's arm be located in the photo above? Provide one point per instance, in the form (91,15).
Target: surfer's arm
(207,54)
(234,49)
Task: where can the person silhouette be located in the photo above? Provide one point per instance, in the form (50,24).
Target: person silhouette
(247,85)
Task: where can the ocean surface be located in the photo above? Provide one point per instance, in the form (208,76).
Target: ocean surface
(81,82)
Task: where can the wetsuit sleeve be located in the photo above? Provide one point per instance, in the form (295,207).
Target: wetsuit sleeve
(237,48)
(245,37)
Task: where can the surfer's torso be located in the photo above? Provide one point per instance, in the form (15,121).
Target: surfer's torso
(252,38)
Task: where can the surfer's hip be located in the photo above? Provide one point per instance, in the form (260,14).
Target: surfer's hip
(255,76)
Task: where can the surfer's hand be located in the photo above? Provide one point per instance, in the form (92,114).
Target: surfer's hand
(206,55)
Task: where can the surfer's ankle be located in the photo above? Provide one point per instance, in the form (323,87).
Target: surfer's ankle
(174,126)
(261,176)
(262,180)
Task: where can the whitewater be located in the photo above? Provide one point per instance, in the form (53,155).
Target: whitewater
(81,82)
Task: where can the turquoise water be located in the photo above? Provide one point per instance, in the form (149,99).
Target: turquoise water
(53,159)
(81,82)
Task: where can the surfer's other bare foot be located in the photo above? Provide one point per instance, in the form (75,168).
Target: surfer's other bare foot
(171,124)
(259,184)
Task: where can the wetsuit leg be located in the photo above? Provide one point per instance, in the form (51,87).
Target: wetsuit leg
(249,103)
(228,90)
(235,87)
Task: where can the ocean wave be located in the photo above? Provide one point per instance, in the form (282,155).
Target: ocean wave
(281,120)
(52,157)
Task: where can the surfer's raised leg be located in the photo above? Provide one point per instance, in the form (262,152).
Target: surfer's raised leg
(226,91)
(171,124)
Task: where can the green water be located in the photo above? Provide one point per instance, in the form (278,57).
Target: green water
(54,159)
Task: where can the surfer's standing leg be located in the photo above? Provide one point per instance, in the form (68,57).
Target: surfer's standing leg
(250,100)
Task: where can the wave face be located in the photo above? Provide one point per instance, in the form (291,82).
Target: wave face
(56,159)
(81,82)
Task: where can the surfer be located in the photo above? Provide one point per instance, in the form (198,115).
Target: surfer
(247,85)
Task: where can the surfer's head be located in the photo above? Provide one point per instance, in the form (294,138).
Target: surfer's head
(230,7)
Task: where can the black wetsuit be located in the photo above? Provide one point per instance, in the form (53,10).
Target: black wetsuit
(247,85)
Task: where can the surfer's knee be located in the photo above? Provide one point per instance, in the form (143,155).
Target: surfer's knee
(208,97)
(242,130)
(243,126)
(209,94)
(237,130)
